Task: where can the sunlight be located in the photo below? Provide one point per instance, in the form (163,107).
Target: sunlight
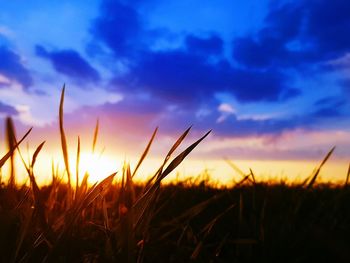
(96,165)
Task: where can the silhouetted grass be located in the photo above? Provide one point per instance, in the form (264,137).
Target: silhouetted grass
(117,220)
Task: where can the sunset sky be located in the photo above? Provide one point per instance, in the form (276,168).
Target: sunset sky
(270,78)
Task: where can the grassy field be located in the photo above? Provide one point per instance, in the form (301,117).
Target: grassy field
(113,223)
(116,220)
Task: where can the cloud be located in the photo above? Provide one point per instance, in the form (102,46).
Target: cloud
(13,69)
(328,26)
(183,80)
(70,63)
(333,101)
(253,85)
(212,45)
(330,107)
(118,27)
(174,76)
(297,34)
(7,109)
(187,75)
(226,110)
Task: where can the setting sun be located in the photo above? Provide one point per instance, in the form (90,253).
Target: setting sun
(96,165)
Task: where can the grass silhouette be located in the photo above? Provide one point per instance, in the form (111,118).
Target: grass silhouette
(117,220)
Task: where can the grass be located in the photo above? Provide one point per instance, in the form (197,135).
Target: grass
(117,220)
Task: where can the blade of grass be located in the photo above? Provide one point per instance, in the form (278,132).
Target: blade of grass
(63,137)
(246,178)
(39,202)
(148,196)
(145,152)
(167,157)
(253,176)
(35,155)
(234,167)
(177,143)
(69,219)
(347,177)
(181,157)
(313,180)
(9,153)
(100,187)
(77,168)
(11,141)
(95,136)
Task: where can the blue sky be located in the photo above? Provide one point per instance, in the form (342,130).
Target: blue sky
(271,78)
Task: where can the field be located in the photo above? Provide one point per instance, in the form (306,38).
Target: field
(116,220)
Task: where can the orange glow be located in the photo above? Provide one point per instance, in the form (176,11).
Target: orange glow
(97,166)
(220,173)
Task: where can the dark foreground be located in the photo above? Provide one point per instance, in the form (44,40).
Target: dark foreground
(111,223)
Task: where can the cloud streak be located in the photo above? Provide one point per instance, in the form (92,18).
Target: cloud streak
(13,69)
(70,63)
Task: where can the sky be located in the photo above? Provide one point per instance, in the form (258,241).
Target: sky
(269,78)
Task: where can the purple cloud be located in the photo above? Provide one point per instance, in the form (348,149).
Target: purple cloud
(70,63)
(12,68)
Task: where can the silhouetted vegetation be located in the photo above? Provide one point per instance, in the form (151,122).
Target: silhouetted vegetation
(116,220)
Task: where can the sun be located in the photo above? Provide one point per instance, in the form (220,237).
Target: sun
(96,165)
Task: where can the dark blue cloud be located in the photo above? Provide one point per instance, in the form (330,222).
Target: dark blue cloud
(269,47)
(329,107)
(186,78)
(7,109)
(327,112)
(297,34)
(70,63)
(13,69)
(288,44)
(212,45)
(175,76)
(328,27)
(118,27)
(188,75)
(136,105)
(252,85)
(252,127)
(333,101)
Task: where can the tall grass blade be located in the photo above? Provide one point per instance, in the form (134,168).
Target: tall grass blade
(181,157)
(149,195)
(235,167)
(167,157)
(313,179)
(178,142)
(98,189)
(95,136)
(145,152)
(36,153)
(9,153)
(253,176)
(11,141)
(77,168)
(246,178)
(347,176)
(63,137)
